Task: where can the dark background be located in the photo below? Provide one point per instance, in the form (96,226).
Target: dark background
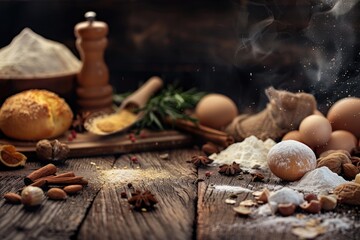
(237,48)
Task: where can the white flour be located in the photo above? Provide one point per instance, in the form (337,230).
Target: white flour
(31,55)
(318,180)
(247,153)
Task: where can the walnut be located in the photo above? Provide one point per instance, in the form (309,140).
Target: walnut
(348,193)
(52,151)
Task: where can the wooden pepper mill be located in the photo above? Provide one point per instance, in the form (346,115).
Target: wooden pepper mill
(93,89)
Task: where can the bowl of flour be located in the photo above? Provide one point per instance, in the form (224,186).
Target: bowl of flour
(31,61)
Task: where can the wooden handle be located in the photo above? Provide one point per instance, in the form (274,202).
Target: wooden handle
(140,97)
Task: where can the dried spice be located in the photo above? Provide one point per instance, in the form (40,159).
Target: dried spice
(142,200)
(230,170)
(199,160)
(257,176)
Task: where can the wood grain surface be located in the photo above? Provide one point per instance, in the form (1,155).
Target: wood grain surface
(190,205)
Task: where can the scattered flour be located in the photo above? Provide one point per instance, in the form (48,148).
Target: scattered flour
(318,180)
(247,153)
(31,55)
(232,189)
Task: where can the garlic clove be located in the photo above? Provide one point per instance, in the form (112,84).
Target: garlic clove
(32,196)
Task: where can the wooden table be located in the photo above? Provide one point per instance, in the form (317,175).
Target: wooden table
(188,207)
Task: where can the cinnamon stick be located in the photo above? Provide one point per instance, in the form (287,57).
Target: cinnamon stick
(64,180)
(47,170)
(65,174)
(213,135)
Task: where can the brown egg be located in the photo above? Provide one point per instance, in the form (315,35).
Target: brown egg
(315,130)
(339,140)
(345,115)
(317,112)
(216,110)
(293,135)
(290,160)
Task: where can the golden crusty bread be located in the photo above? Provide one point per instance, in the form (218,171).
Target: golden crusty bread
(34,115)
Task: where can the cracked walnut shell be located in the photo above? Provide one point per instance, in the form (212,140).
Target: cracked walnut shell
(52,151)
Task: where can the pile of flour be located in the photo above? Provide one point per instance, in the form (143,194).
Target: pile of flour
(30,55)
(247,153)
(318,180)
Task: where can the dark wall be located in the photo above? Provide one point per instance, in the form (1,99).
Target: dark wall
(233,47)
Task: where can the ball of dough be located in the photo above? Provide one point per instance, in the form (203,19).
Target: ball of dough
(34,115)
(290,160)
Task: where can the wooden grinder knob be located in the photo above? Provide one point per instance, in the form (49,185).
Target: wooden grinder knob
(93,89)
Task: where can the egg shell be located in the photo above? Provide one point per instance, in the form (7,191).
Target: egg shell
(345,115)
(216,110)
(293,135)
(315,130)
(339,140)
(290,160)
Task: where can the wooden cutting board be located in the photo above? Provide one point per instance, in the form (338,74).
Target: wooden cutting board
(87,144)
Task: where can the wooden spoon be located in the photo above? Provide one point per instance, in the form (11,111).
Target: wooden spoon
(135,101)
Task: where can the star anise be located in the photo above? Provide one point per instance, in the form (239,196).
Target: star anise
(257,176)
(142,200)
(230,169)
(78,123)
(199,160)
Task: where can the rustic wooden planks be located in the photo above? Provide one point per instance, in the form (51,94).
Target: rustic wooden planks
(217,220)
(53,219)
(172,182)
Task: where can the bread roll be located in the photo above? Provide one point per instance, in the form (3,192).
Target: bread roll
(34,115)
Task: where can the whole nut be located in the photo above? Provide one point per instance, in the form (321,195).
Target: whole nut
(286,209)
(350,171)
(333,161)
(72,189)
(310,197)
(32,196)
(210,148)
(357,178)
(328,202)
(12,198)
(348,193)
(52,151)
(56,194)
(328,152)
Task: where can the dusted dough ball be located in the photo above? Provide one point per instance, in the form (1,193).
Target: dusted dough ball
(290,160)
(216,110)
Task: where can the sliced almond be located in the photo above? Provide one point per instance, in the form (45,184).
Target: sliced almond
(243,211)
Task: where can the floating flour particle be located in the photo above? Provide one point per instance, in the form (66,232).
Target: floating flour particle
(318,180)
(247,153)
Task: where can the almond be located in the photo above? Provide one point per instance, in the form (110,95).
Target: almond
(56,194)
(348,193)
(72,189)
(350,171)
(332,162)
(210,148)
(12,198)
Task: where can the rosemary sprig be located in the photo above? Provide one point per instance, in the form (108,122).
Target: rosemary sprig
(171,102)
